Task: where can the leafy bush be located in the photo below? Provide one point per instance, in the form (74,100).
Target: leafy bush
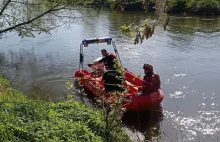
(200,3)
(203,3)
(22,119)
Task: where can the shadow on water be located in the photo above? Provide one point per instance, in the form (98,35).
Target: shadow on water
(144,126)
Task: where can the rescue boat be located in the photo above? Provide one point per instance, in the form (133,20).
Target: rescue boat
(133,84)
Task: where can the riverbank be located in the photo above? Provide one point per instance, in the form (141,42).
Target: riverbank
(23,119)
(174,6)
(178,7)
(195,8)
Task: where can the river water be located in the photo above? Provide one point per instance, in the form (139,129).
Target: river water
(186,57)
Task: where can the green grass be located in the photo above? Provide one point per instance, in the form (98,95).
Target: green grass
(23,119)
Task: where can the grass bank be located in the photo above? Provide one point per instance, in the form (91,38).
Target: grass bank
(23,119)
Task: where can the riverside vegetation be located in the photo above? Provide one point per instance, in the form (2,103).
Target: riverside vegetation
(200,7)
(23,119)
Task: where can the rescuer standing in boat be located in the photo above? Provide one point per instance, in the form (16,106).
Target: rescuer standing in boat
(107,59)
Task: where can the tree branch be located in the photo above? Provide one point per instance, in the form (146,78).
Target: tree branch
(6,20)
(30,21)
(20,2)
(65,16)
(3,9)
(23,3)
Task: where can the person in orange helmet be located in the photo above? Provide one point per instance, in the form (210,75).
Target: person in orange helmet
(151,81)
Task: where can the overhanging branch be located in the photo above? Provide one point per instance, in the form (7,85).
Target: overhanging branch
(3,9)
(55,8)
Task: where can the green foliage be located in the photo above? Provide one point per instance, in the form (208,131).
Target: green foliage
(173,2)
(139,32)
(203,3)
(113,3)
(22,119)
(118,5)
(4,81)
(127,30)
(146,30)
(200,3)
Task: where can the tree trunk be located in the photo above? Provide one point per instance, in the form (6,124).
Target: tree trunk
(161,7)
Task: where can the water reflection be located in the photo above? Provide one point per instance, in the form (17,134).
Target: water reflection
(144,126)
(190,25)
(204,126)
(38,77)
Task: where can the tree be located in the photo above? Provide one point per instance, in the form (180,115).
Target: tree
(28,16)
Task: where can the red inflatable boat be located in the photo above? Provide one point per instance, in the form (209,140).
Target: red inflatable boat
(132,83)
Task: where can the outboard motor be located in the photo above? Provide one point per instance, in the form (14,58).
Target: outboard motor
(98,68)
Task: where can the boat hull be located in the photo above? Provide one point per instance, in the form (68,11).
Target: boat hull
(131,101)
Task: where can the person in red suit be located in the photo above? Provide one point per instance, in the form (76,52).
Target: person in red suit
(151,81)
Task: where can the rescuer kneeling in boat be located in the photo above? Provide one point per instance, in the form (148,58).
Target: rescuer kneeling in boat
(107,59)
(151,81)
(113,80)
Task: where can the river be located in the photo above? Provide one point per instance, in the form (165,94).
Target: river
(186,57)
